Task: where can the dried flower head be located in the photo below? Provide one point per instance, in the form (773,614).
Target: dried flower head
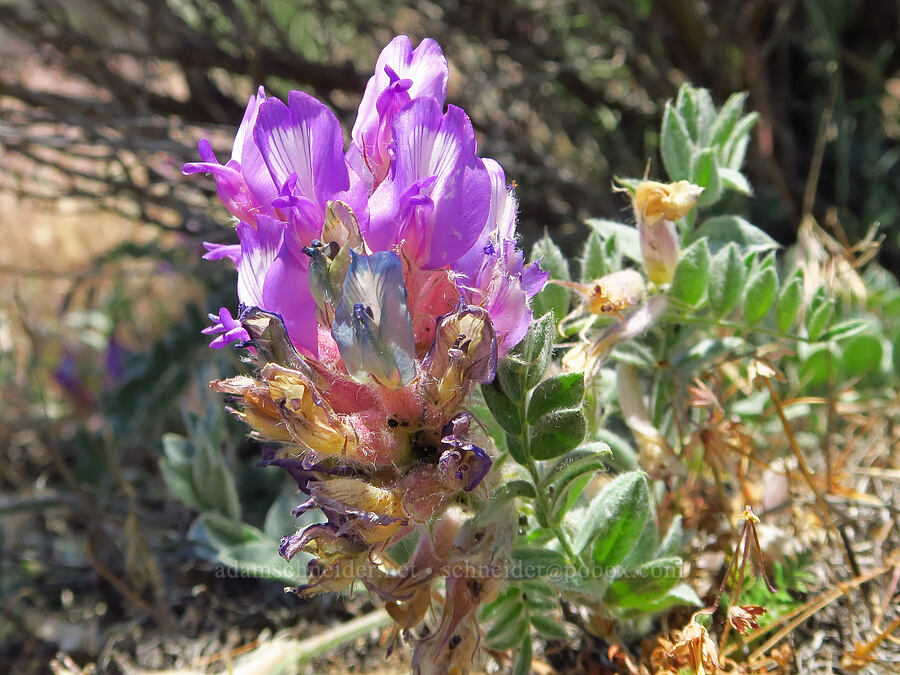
(743,618)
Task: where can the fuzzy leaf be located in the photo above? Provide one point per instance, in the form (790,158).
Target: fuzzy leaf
(726,280)
(561,392)
(507,413)
(503,495)
(862,354)
(510,628)
(705,173)
(537,349)
(646,584)
(676,146)
(788,304)
(553,297)
(524,656)
(723,230)
(673,541)
(213,481)
(533,563)
(615,518)
(556,433)
(221,532)
(517,449)
(692,274)
(593,259)
(727,119)
(846,329)
(626,237)
(261,559)
(549,627)
(734,180)
(760,294)
(735,147)
(819,318)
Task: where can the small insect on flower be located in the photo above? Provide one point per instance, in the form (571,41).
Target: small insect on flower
(609,294)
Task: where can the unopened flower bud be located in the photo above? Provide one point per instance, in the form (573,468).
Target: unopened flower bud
(660,250)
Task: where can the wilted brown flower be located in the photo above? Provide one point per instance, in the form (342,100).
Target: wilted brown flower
(693,648)
(743,617)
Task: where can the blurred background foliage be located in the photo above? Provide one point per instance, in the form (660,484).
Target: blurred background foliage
(103,293)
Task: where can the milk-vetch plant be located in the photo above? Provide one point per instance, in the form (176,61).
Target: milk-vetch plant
(386,315)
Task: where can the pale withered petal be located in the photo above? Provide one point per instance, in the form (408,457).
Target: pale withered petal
(463,465)
(464,351)
(306,415)
(372,327)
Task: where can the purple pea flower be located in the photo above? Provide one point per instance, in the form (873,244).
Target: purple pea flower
(437,194)
(493,273)
(402,74)
(243,183)
(227,329)
(381,283)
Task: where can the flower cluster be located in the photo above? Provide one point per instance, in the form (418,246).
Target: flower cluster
(376,284)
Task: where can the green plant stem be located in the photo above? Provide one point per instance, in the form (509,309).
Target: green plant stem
(746,328)
(545,507)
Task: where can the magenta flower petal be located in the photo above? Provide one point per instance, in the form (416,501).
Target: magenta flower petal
(286,292)
(227,329)
(501,226)
(302,142)
(272,278)
(401,75)
(219,251)
(242,189)
(259,246)
(437,196)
